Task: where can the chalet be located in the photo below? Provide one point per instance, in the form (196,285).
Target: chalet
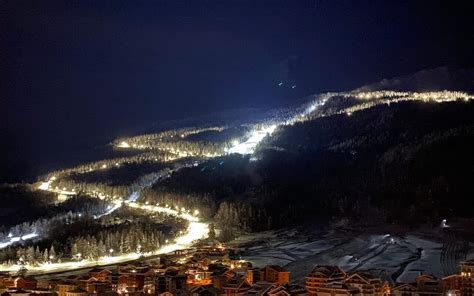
(367,284)
(405,289)
(74,277)
(230,273)
(467,277)
(236,287)
(8,282)
(261,288)
(149,283)
(204,291)
(134,279)
(275,274)
(65,286)
(77,292)
(18,292)
(122,284)
(25,283)
(452,285)
(44,284)
(52,284)
(322,276)
(253,276)
(279,291)
(19,282)
(114,280)
(199,277)
(159,268)
(171,280)
(98,287)
(133,269)
(102,275)
(43,292)
(338,289)
(287,290)
(83,281)
(428,285)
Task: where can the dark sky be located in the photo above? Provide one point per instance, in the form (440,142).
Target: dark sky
(77,73)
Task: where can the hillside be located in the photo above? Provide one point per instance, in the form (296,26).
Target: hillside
(408,163)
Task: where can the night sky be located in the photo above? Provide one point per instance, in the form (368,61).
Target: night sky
(74,74)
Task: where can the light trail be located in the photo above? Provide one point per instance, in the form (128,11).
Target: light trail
(123,144)
(248,147)
(46,186)
(15,239)
(110,209)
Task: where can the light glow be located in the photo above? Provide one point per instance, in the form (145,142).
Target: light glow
(123,144)
(256,136)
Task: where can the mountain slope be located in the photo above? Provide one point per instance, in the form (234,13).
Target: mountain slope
(427,80)
(409,163)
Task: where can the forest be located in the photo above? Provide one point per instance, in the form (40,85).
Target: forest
(82,237)
(28,207)
(406,164)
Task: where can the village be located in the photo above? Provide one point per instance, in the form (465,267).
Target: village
(216,269)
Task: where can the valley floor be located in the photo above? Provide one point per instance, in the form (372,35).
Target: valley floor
(395,258)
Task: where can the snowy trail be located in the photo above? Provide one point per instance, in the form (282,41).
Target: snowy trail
(196,230)
(15,239)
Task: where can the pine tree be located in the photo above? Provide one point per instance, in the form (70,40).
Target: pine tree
(74,249)
(212,232)
(101,250)
(45,255)
(37,254)
(52,253)
(122,245)
(20,254)
(30,255)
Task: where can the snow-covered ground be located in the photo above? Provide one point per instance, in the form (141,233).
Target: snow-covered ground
(10,240)
(399,259)
(196,230)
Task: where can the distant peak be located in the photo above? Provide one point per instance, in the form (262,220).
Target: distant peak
(436,79)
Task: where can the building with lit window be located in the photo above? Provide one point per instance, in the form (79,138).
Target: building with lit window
(322,276)
(467,277)
(367,284)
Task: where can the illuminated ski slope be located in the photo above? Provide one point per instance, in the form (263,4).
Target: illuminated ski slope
(364,100)
(14,239)
(248,147)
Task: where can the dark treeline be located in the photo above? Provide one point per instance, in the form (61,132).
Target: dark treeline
(28,207)
(138,237)
(118,175)
(203,202)
(232,133)
(145,157)
(175,141)
(78,237)
(122,239)
(22,202)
